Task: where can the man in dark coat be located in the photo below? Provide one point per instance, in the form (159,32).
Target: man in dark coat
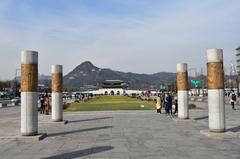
(169,104)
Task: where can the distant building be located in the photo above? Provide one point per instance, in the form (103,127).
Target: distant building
(238,67)
(113,87)
(109,84)
(238,59)
(116,87)
(89,88)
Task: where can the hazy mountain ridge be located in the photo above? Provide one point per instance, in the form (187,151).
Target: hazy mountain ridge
(88,74)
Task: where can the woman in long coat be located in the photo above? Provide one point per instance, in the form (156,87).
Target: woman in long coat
(47,104)
(158,105)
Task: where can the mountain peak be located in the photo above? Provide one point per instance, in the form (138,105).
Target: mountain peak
(84,69)
(88,74)
(87,63)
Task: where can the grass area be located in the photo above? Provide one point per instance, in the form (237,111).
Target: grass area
(109,103)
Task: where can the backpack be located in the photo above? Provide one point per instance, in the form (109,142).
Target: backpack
(234,97)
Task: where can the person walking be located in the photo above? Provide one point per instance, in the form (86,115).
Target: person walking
(176,107)
(162,96)
(155,100)
(158,105)
(169,104)
(233,99)
(42,105)
(46,104)
(165,103)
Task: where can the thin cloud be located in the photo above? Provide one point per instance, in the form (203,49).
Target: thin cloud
(150,39)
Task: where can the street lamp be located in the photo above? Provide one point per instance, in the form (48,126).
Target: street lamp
(16,83)
(197,90)
(193,69)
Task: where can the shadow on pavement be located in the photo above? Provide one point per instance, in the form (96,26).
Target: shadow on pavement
(76,121)
(81,153)
(234,129)
(201,118)
(78,131)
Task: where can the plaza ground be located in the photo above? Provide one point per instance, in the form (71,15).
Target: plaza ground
(119,135)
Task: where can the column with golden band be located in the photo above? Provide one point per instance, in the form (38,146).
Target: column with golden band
(216,104)
(182,86)
(29,93)
(57,85)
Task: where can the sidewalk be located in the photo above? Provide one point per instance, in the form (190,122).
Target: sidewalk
(120,135)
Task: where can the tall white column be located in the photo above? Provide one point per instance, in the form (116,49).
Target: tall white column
(216,104)
(182,86)
(29,94)
(57,101)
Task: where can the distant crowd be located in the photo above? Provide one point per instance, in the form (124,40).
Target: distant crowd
(170,102)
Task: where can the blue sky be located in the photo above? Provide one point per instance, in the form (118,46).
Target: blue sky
(143,36)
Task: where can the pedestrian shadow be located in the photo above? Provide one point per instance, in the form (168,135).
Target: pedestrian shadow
(201,118)
(81,153)
(78,131)
(83,120)
(234,129)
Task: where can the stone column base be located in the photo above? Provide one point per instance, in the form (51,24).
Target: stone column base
(37,137)
(183,120)
(54,122)
(217,135)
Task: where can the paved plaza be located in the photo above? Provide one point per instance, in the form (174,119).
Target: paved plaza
(119,135)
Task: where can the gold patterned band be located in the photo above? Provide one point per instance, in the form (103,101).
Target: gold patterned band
(182,81)
(29,77)
(57,82)
(215,75)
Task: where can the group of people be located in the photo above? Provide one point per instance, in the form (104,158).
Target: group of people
(45,104)
(166,101)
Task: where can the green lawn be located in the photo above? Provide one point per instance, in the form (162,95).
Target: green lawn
(108,103)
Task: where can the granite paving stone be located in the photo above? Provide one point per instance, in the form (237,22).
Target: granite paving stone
(120,135)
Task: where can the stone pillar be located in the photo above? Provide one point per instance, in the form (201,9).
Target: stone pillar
(182,86)
(57,101)
(216,104)
(29,94)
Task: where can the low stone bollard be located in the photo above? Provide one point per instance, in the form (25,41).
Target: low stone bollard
(15,103)
(192,99)
(199,99)
(3,105)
